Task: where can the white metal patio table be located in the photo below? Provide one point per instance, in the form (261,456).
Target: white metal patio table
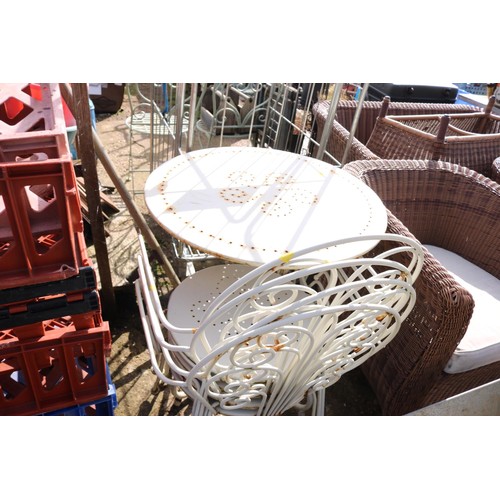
(251,205)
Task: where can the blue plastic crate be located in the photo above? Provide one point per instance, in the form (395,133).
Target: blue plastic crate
(102,407)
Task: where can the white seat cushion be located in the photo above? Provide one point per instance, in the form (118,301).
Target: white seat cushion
(480,345)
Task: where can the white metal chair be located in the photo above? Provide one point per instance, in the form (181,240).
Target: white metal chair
(260,341)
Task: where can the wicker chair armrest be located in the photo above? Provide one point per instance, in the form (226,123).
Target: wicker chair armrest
(405,371)
(337,142)
(443,204)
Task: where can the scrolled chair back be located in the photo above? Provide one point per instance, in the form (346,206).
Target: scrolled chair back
(287,330)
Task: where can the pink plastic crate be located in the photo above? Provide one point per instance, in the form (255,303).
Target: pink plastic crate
(48,145)
(31,108)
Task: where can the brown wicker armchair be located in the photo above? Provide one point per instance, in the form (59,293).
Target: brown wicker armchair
(339,133)
(457,209)
(468,139)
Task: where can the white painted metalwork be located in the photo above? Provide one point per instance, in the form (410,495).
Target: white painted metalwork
(276,115)
(140,121)
(250,205)
(231,110)
(147,119)
(243,341)
(355,121)
(153,116)
(268,115)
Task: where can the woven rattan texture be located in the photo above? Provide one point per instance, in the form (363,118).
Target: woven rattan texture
(339,134)
(471,140)
(371,110)
(455,208)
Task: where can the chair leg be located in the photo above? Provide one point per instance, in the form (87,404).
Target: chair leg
(199,410)
(156,386)
(306,404)
(190,269)
(318,409)
(178,393)
(208,135)
(158,383)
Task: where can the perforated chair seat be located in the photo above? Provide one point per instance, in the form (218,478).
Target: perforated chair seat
(189,301)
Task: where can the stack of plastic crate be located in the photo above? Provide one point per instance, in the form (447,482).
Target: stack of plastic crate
(53,340)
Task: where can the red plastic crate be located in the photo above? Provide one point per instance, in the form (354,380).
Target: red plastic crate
(102,407)
(31,108)
(60,369)
(41,224)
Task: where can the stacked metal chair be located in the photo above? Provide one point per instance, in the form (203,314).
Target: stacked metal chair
(53,340)
(262,341)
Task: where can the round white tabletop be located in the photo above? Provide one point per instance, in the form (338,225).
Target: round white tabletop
(252,205)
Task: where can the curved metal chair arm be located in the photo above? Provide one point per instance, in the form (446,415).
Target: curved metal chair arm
(150,294)
(148,325)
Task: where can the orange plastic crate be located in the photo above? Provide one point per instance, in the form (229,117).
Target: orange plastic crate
(60,369)
(41,225)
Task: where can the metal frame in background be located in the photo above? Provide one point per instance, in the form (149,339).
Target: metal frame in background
(277,115)
(290,122)
(153,114)
(274,115)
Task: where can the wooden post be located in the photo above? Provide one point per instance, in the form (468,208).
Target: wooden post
(81,112)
